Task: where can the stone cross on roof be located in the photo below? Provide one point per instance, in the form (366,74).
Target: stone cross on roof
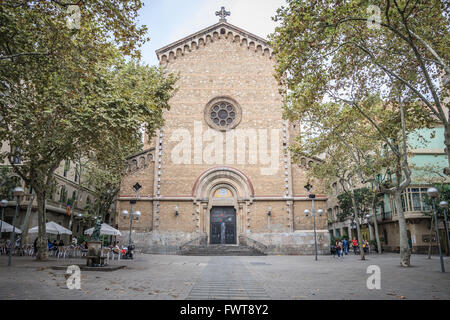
(222,14)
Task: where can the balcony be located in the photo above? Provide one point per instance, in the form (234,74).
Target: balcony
(51,205)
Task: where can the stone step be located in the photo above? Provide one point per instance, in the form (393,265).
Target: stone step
(221,250)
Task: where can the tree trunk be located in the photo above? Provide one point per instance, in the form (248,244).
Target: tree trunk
(431,235)
(42,233)
(447,146)
(405,251)
(375,226)
(358,229)
(26,221)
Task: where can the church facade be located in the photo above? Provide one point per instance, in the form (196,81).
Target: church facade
(220,171)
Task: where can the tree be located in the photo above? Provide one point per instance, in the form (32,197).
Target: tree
(360,147)
(363,197)
(65,92)
(327,52)
(367,200)
(8,181)
(342,136)
(106,175)
(350,49)
(444,195)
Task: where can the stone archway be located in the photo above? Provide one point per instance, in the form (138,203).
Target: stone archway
(240,194)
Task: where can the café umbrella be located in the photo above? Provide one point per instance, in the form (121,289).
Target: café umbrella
(53,228)
(105,229)
(6,227)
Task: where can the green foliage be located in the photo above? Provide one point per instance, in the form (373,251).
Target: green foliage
(363,197)
(81,239)
(8,182)
(444,195)
(325,46)
(67,93)
(332,51)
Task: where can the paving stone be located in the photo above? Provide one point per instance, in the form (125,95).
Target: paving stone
(224,278)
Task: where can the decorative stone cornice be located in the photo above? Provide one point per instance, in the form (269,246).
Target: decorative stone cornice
(220,30)
(140,160)
(307,162)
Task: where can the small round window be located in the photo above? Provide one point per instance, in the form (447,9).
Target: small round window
(222,113)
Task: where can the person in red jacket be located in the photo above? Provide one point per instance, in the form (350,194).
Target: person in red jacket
(355,245)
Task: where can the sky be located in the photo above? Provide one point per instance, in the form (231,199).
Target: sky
(170,20)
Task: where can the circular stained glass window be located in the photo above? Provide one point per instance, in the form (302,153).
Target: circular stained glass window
(224,117)
(223,113)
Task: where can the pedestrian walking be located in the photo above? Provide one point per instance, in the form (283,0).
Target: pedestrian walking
(355,245)
(365,246)
(345,245)
(339,249)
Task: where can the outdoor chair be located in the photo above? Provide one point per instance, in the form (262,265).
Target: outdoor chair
(106,253)
(75,251)
(113,254)
(62,252)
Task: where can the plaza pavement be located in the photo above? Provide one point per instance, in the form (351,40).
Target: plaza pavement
(222,277)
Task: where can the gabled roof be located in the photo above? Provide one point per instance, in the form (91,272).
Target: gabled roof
(222,29)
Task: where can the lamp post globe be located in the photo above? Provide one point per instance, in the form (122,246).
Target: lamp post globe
(320,212)
(307,212)
(125,213)
(18,191)
(137,214)
(4,203)
(432,192)
(443,204)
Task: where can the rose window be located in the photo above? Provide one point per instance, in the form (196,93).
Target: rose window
(222,113)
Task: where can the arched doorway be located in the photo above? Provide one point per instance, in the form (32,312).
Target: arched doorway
(222,215)
(223,195)
(223,225)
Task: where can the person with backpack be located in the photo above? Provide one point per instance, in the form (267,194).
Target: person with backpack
(339,249)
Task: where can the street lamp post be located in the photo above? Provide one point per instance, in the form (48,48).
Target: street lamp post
(132,214)
(80,216)
(4,204)
(444,204)
(18,193)
(433,193)
(312,196)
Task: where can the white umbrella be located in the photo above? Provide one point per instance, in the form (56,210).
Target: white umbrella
(53,228)
(105,229)
(6,227)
